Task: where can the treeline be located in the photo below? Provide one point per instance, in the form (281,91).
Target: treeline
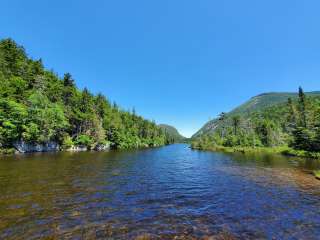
(295,124)
(37,106)
(173,135)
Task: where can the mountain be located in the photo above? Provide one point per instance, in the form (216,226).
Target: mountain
(257,103)
(172,133)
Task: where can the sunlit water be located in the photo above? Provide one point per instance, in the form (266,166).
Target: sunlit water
(158,193)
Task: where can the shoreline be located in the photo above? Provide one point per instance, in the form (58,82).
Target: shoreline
(14,151)
(284,150)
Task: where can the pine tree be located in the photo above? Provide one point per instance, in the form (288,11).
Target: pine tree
(302,102)
(302,139)
(101,105)
(302,135)
(316,140)
(68,80)
(236,124)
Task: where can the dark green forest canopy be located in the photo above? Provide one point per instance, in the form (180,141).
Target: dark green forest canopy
(172,133)
(37,106)
(268,120)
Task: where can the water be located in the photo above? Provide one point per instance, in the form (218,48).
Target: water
(158,193)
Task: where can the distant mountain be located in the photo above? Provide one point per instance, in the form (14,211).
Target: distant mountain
(257,103)
(172,133)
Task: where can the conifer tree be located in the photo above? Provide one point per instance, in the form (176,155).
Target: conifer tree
(302,102)
(236,124)
(68,80)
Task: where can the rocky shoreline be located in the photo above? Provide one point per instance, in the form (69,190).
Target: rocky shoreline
(21,147)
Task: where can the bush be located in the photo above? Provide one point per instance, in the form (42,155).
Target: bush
(67,142)
(317,174)
(84,140)
(231,141)
(7,151)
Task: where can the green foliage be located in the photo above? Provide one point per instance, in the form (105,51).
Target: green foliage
(172,134)
(260,103)
(67,142)
(46,119)
(302,139)
(236,120)
(317,174)
(37,106)
(84,140)
(268,133)
(7,151)
(302,105)
(296,124)
(12,121)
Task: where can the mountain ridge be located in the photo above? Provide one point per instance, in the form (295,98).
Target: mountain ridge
(255,103)
(172,132)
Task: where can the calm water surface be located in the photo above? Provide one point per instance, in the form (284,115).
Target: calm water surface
(158,193)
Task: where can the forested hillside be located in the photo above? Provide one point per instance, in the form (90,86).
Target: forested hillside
(37,107)
(172,133)
(257,103)
(295,124)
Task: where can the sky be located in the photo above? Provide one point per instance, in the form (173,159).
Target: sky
(178,62)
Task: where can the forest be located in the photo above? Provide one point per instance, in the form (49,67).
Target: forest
(37,107)
(290,128)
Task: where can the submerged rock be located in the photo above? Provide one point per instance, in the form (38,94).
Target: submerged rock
(24,147)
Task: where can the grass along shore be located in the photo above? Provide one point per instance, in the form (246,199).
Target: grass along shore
(283,150)
(316,173)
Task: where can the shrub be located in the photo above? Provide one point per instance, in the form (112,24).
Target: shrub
(67,142)
(84,140)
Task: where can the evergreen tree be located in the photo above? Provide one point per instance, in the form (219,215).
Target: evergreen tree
(302,139)
(69,89)
(13,58)
(68,80)
(102,105)
(302,102)
(316,140)
(236,124)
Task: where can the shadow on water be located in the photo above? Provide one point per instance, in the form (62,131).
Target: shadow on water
(159,193)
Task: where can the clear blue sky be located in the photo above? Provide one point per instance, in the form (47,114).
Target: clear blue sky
(179,62)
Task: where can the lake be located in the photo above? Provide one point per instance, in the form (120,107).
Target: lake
(158,193)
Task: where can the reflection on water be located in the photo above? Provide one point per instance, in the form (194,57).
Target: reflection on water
(158,193)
